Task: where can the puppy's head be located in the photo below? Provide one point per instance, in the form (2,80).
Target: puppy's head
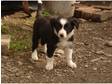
(64,27)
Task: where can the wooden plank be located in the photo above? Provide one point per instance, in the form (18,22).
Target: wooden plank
(5,44)
(92,14)
(105,15)
(103,7)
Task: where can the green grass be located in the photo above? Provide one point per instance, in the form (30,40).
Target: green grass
(20,39)
(4,28)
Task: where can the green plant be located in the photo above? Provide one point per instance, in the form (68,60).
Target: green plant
(45,13)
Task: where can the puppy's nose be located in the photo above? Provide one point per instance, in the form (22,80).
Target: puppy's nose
(61,35)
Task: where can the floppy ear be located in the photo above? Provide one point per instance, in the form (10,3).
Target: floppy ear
(53,21)
(74,22)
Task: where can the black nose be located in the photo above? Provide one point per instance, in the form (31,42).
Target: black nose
(61,35)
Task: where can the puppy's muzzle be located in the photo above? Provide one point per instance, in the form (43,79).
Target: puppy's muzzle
(61,35)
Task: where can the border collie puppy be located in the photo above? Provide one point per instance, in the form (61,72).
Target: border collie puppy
(53,33)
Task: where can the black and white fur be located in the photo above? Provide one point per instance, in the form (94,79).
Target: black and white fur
(53,33)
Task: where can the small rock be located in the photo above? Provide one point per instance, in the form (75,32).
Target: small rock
(20,63)
(28,76)
(17,74)
(5,57)
(13,69)
(30,67)
(65,70)
(86,66)
(86,43)
(95,68)
(108,43)
(59,53)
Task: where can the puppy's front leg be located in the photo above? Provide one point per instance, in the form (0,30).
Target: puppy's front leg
(50,58)
(49,65)
(68,54)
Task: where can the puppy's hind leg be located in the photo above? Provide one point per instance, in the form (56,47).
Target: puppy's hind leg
(34,49)
(45,48)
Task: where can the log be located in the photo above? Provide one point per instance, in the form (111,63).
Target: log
(92,14)
(5,44)
(103,7)
(105,15)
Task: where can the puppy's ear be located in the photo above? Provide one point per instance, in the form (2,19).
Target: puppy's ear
(53,21)
(74,22)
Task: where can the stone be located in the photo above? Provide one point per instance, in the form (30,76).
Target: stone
(95,68)
(86,66)
(108,43)
(20,63)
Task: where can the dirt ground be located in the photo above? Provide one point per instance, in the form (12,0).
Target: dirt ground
(92,56)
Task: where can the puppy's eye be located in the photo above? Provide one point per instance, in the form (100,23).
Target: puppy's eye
(66,26)
(58,25)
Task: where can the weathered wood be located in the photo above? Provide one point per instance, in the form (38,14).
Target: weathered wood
(105,15)
(87,13)
(93,14)
(103,7)
(5,44)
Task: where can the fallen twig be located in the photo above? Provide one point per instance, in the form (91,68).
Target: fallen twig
(97,59)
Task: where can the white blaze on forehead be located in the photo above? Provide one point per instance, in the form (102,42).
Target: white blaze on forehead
(62,31)
(63,21)
(39,1)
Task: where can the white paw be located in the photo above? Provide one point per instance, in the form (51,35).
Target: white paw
(34,55)
(72,65)
(49,67)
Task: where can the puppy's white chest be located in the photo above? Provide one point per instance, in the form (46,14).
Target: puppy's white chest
(64,44)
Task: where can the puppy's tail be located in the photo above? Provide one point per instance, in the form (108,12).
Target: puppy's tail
(39,10)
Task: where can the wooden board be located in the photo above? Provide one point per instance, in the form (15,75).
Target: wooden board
(5,44)
(92,14)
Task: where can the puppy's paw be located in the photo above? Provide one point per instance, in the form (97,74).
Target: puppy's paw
(34,55)
(72,64)
(49,67)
